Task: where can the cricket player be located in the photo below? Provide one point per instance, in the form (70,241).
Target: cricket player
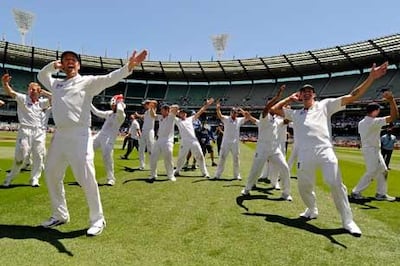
(72,142)
(105,138)
(230,140)
(146,140)
(31,138)
(165,142)
(189,141)
(268,148)
(313,136)
(369,129)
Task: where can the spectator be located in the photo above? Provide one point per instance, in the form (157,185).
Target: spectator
(387,146)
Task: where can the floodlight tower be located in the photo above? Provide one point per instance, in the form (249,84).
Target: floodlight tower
(24,20)
(219,43)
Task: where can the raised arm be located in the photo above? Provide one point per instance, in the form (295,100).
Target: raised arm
(5,80)
(374,74)
(218,110)
(203,108)
(97,112)
(1,103)
(394,111)
(273,101)
(248,116)
(278,108)
(174,109)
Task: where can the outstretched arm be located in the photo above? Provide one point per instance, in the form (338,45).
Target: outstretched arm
(376,73)
(272,102)
(5,80)
(203,108)
(136,59)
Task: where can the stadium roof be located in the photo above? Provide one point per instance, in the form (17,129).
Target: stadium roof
(356,56)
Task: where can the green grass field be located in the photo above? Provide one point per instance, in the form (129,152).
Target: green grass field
(195,221)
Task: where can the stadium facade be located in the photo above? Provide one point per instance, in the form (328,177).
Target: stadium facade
(242,82)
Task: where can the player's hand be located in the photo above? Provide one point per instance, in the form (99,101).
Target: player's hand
(136,59)
(6,78)
(388,95)
(58,65)
(378,71)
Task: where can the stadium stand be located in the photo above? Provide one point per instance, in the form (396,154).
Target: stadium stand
(244,82)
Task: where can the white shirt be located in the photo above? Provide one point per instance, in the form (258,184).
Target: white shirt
(166,127)
(186,129)
(281,129)
(134,129)
(148,122)
(369,129)
(232,129)
(113,121)
(29,113)
(312,127)
(267,129)
(72,98)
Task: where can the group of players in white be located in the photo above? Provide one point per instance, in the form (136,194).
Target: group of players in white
(70,100)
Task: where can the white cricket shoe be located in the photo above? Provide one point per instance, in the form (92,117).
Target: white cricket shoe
(310,214)
(96,229)
(353,229)
(53,222)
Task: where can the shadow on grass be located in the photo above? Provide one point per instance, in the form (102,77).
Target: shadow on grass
(241,199)
(15,186)
(301,223)
(147,180)
(363,202)
(52,236)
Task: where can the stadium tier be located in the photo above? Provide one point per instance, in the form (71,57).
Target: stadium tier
(243,82)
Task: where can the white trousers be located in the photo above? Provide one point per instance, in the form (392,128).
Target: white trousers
(146,142)
(227,148)
(106,144)
(163,148)
(275,158)
(74,147)
(308,162)
(30,141)
(376,168)
(195,148)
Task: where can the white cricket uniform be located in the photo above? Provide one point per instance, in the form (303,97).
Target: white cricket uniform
(105,138)
(268,148)
(189,142)
(72,143)
(369,129)
(230,143)
(281,133)
(31,137)
(163,145)
(312,129)
(146,140)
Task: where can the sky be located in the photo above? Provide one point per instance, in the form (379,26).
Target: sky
(182,30)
